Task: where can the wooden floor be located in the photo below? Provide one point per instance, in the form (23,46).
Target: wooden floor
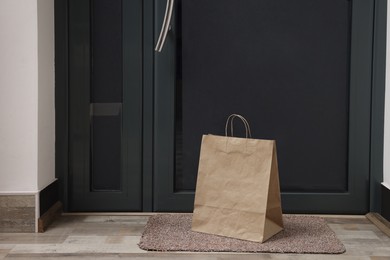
(116,237)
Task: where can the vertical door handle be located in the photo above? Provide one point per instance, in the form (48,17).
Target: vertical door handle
(165,26)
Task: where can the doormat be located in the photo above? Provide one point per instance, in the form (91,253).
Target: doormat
(301,234)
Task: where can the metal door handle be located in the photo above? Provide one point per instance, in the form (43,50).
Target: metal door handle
(165,26)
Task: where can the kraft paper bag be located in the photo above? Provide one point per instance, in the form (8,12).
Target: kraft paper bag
(237,191)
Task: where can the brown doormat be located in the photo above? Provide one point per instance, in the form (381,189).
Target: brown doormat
(302,234)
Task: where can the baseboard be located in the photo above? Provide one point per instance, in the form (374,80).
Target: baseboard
(48,197)
(380,222)
(385,212)
(20,210)
(49,216)
(49,206)
(17,213)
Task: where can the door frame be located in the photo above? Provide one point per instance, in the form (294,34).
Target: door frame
(377,82)
(378,103)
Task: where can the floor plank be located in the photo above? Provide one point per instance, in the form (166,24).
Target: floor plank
(116,237)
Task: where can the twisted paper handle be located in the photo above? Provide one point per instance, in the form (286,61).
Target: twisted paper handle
(231,120)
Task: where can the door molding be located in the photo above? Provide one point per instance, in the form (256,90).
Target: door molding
(61,99)
(148,105)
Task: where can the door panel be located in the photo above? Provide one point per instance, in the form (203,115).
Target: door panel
(106,95)
(105,83)
(288,76)
(298,70)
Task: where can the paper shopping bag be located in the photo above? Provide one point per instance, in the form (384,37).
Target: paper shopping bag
(237,191)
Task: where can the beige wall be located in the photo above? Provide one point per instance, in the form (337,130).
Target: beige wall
(26,95)
(46,123)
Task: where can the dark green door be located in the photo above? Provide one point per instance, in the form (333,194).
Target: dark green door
(299,71)
(105,99)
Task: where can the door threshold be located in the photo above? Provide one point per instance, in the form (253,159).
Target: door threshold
(156,213)
(115,213)
(109,213)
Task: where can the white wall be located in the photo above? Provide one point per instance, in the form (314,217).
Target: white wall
(386,159)
(26,71)
(18,95)
(46,122)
